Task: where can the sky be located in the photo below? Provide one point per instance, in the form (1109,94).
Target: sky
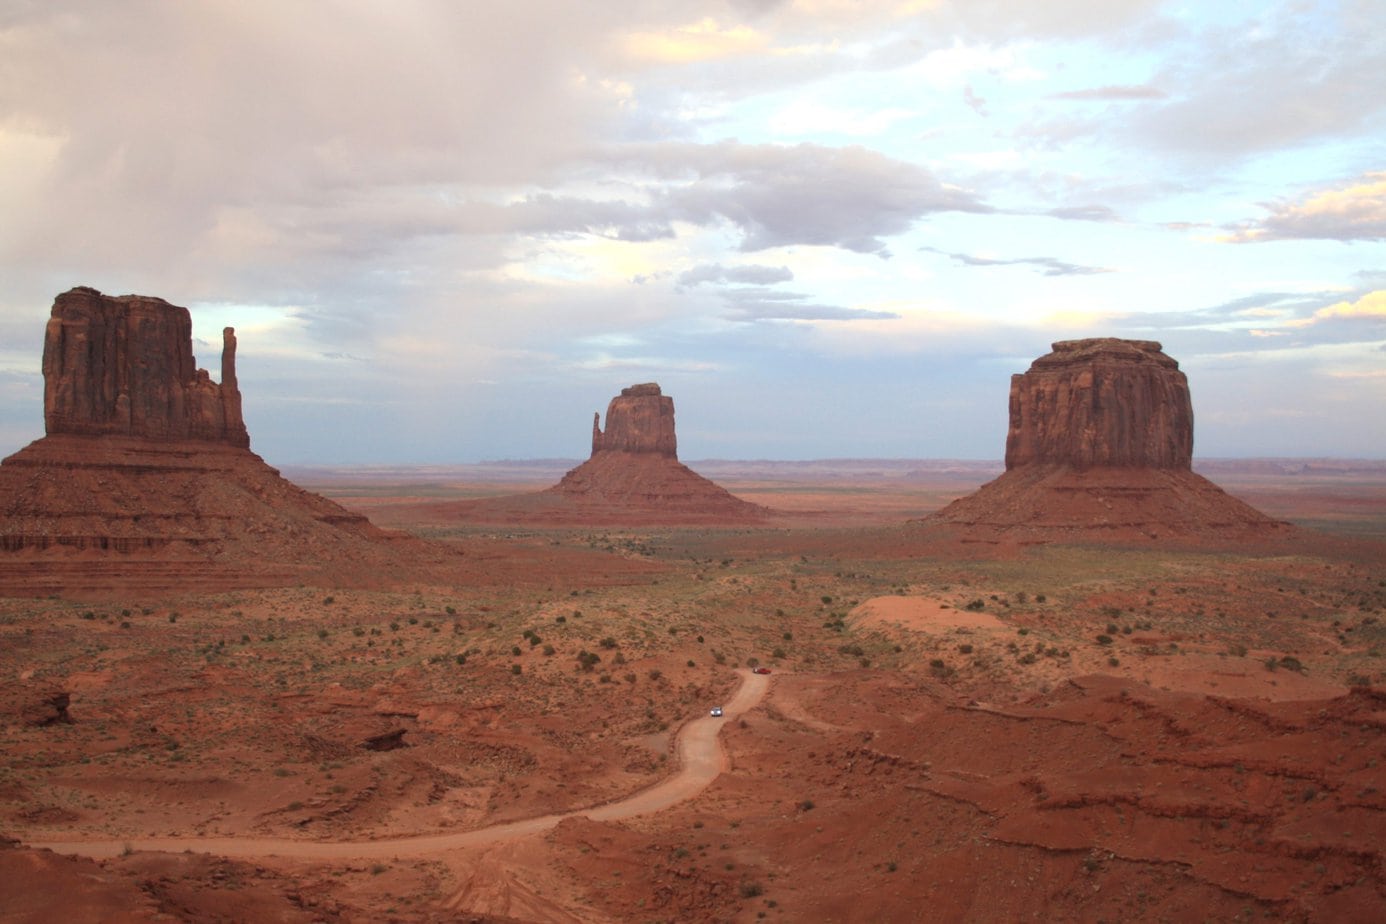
(451,231)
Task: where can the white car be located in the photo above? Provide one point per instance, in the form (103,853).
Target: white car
(716,712)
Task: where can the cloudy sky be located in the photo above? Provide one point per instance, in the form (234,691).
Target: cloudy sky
(450,231)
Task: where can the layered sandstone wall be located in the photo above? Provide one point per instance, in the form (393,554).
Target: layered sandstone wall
(639,419)
(1101,403)
(124,366)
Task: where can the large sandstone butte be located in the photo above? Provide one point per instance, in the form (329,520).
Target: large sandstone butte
(633,477)
(639,419)
(146,481)
(1100,446)
(634,472)
(124,366)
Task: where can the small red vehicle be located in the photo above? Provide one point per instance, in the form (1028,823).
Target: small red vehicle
(760,670)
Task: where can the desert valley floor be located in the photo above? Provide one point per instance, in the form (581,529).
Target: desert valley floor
(949,730)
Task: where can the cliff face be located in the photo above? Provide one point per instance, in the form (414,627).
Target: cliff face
(146,480)
(123,366)
(1102,402)
(639,419)
(1100,446)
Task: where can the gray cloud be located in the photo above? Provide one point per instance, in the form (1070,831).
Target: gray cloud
(736,275)
(1300,74)
(777,196)
(752,305)
(1084,213)
(1049,266)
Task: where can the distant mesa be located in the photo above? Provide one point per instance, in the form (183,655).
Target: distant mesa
(1100,446)
(633,477)
(145,479)
(634,467)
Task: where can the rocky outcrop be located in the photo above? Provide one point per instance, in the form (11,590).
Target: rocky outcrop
(639,419)
(123,366)
(49,709)
(1099,447)
(633,477)
(145,480)
(1102,402)
(634,474)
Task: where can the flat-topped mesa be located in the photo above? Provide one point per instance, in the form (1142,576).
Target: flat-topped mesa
(1098,403)
(1100,448)
(124,366)
(639,419)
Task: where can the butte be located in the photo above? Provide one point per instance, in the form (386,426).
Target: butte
(145,480)
(1100,448)
(633,477)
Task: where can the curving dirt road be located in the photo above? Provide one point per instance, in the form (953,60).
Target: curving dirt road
(700,759)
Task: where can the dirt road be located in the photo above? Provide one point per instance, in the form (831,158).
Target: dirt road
(701,759)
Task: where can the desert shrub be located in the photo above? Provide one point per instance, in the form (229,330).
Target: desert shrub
(976,605)
(328,599)
(1113,662)
(515,650)
(608,642)
(752,661)
(1104,640)
(965,649)
(588,660)
(548,651)
(826,599)
(777,653)
(655,673)
(516,669)
(461,659)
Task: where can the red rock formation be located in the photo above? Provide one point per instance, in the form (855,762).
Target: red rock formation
(1103,402)
(124,366)
(1100,446)
(640,419)
(634,473)
(145,479)
(633,477)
